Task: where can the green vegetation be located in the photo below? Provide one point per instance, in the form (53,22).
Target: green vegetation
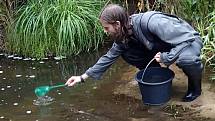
(38,28)
(208,34)
(61,27)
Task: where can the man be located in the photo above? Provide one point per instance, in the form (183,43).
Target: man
(142,37)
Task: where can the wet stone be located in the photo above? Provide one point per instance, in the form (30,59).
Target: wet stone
(42,62)
(27,59)
(8,86)
(15,104)
(28,112)
(18,75)
(17,58)
(10,56)
(32,76)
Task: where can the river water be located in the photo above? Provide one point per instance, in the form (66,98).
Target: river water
(90,101)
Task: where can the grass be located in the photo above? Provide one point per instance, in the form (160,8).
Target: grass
(56,27)
(208,35)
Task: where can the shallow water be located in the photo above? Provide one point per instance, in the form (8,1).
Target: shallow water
(91,101)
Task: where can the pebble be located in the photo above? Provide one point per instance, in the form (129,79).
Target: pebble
(26,59)
(2,89)
(33,59)
(15,104)
(17,58)
(18,75)
(59,93)
(42,62)
(8,86)
(1,117)
(10,56)
(28,112)
(4,78)
(32,76)
(1,72)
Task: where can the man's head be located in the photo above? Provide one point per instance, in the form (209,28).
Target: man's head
(115,21)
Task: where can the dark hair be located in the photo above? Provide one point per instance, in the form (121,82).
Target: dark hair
(112,13)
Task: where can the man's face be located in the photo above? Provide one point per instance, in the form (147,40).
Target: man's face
(113,30)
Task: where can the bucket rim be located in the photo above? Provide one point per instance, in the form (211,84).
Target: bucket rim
(158,83)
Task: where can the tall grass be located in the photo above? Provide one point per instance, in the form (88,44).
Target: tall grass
(60,27)
(208,35)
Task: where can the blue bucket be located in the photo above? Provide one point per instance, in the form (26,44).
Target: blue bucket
(156,85)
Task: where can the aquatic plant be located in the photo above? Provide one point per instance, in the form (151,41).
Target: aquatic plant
(59,27)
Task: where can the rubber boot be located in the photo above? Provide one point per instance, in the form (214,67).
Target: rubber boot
(194,74)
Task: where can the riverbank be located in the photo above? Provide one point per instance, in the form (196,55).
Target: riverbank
(203,108)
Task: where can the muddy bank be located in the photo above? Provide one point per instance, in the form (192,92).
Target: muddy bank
(202,108)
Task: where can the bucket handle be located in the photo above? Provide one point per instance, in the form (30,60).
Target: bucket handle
(146,68)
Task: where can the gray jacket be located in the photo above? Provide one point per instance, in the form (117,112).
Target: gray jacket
(150,28)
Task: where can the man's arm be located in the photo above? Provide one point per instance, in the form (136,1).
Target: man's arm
(104,62)
(172,30)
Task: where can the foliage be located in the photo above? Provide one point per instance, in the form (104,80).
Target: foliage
(7,8)
(194,10)
(61,27)
(208,35)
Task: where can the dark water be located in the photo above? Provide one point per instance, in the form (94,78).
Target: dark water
(91,101)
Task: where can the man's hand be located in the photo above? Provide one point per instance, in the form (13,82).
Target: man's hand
(76,79)
(73,80)
(157,57)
